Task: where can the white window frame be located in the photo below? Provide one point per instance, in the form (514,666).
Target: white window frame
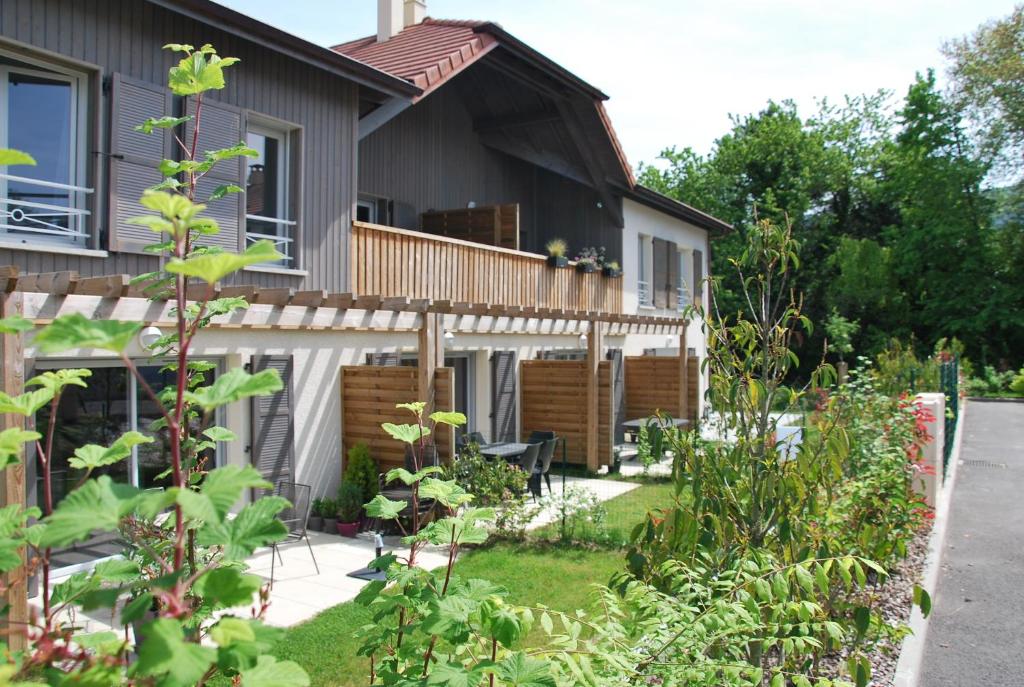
(77,210)
(371,207)
(285,240)
(645,271)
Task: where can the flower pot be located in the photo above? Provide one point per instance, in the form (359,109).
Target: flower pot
(330,525)
(586,267)
(612,273)
(348,529)
(315,523)
(558,261)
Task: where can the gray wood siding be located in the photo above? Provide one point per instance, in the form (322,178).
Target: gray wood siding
(429,158)
(126,36)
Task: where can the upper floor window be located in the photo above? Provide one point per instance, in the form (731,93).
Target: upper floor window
(42,112)
(268,213)
(684,278)
(645,270)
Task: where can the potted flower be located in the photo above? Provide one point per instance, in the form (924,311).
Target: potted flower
(330,513)
(612,269)
(316,517)
(350,507)
(589,260)
(557,249)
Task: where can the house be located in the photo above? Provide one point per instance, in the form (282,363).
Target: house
(411,179)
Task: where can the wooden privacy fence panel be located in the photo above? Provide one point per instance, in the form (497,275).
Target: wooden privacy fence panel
(368,397)
(492,225)
(392,262)
(652,384)
(554,398)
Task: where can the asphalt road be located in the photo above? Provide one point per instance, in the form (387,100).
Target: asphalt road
(976,631)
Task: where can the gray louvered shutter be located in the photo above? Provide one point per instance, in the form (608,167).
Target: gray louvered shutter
(672,278)
(660,276)
(698,275)
(135,158)
(383,359)
(503,396)
(221,126)
(273,427)
(618,393)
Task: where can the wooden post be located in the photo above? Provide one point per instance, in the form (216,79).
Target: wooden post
(431,357)
(684,377)
(12,480)
(593,388)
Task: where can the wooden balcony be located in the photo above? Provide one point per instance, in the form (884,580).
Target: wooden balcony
(395,262)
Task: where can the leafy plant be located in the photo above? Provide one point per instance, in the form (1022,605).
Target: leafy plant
(500,485)
(580,516)
(350,502)
(183,568)
(591,256)
(361,469)
(557,248)
(840,332)
(329,509)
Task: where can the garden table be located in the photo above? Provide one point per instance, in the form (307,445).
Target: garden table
(509,450)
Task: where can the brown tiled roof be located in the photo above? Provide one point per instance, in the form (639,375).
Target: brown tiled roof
(425,54)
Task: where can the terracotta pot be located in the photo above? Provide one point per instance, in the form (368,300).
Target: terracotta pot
(348,529)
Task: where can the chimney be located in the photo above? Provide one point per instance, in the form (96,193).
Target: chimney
(389,19)
(415,11)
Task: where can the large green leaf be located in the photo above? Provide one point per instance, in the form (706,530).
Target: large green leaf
(98,504)
(27,403)
(410,434)
(92,456)
(56,380)
(256,525)
(224,486)
(9,156)
(446,417)
(11,443)
(212,267)
(15,324)
(166,654)
(228,587)
(78,331)
(384,508)
(152,123)
(456,675)
(447,492)
(408,478)
(270,672)
(235,385)
(241,654)
(519,670)
(198,72)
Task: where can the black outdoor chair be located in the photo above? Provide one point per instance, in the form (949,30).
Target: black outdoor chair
(547,453)
(471,438)
(529,463)
(294,518)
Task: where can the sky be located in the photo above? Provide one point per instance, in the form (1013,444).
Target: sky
(676,69)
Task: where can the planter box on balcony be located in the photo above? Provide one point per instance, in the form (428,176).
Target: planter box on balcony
(586,267)
(558,261)
(612,273)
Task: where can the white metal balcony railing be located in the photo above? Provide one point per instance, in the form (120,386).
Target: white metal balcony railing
(283,236)
(682,297)
(19,215)
(644,294)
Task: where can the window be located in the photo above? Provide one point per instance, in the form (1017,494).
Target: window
(372,209)
(683,278)
(645,268)
(42,112)
(267,201)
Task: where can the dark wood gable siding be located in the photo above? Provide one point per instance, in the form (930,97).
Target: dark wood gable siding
(430,158)
(125,36)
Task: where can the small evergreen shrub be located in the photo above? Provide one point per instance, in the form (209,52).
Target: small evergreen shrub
(362,470)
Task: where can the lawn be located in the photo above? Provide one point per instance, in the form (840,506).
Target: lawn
(556,576)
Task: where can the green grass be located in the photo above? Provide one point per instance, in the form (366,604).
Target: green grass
(556,576)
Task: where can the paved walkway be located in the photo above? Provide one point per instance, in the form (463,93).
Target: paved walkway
(976,631)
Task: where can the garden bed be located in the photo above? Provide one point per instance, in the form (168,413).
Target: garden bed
(894,601)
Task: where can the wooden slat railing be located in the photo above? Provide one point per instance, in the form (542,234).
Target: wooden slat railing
(395,262)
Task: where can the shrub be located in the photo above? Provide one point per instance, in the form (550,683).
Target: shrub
(580,516)
(495,483)
(1017,385)
(362,470)
(329,508)
(350,502)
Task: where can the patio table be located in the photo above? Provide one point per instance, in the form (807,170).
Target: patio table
(509,450)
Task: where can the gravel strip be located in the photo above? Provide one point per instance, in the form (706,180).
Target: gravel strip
(894,599)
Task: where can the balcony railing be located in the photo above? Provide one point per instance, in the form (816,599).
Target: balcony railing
(395,262)
(643,293)
(682,298)
(279,231)
(18,214)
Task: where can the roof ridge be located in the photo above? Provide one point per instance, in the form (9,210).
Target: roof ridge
(440,21)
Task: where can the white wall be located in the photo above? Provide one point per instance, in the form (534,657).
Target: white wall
(642,220)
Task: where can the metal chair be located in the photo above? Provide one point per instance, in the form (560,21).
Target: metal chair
(294,518)
(547,454)
(528,463)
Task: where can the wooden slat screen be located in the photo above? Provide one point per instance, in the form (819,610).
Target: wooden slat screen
(395,262)
(553,395)
(492,225)
(368,397)
(652,384)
